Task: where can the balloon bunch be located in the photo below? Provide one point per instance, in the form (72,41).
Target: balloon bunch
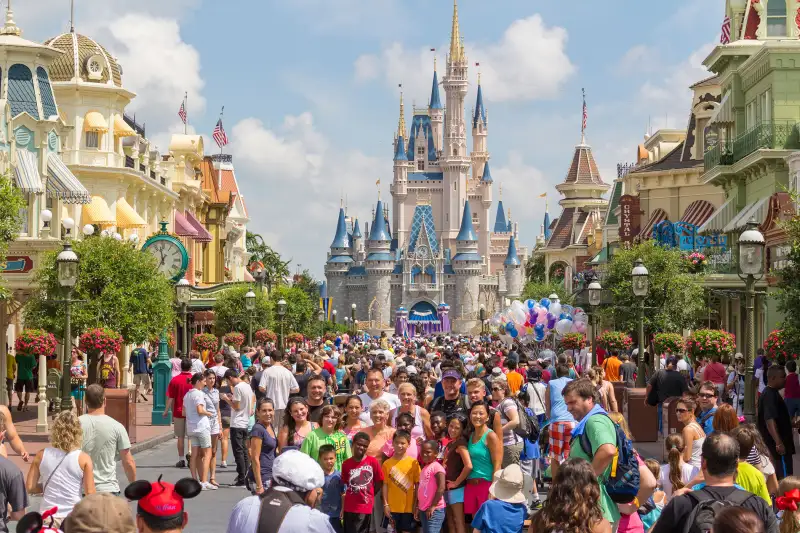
(532,321)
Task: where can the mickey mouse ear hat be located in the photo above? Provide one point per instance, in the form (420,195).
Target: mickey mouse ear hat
(162,500)
(34,522)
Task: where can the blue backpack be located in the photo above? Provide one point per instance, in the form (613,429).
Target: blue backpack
(622,484)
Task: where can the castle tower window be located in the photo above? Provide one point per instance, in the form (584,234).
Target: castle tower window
(421,150)
(776,18)
(21,95)
(421,165)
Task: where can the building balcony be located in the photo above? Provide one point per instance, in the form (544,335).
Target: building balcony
(427,287)
(774,135)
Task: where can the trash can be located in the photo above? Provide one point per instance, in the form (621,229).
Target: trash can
(619,394)
(121,406)
(670,417)
(642,418)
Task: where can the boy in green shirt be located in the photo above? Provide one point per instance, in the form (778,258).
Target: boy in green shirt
(747,476)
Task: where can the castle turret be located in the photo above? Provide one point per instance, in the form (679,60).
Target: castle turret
(358,243)
(513,271)
(399,186)
(467,265)
(436,111)
(480,130)
(500,223)
(379,266)
(339,261)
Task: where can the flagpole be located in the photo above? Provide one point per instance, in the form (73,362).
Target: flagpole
(185,110)
(583,117)
(222,112)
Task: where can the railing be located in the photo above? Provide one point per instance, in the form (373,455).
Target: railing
(624,168)
(163,181)
(222,158)
(722,263)
(142,168)
(152,174)
(774,135)
(129,163)
(424,286)
(131,121)
(721,154)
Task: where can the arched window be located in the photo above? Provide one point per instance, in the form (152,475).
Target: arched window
(776,18)
(21,95)
(46,92)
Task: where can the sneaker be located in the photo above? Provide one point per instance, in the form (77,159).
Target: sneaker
(180,464)
(208,486)
(223,465)
(240,483)
(535,505)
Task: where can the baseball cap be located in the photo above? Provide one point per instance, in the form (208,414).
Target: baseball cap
(451,373)
(298,471)
(100,513)
(412,370)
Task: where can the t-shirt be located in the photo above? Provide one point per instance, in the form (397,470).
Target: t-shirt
(225,407)
(317,438)
(428,485)
(536,392)
(331,503)
(792,388)
(12,491)
(715,373)
(195,422)
(103,440)
(11,362)
(359,479)
(772,407)
(177,389)
(315,412)
(138,361)
(611,366)
(302,384)
(558,408)
(198,366)
(243,394)
(505,408)
(401,476)
(266,455)
(688,472)
(627,371)
(600,430)
(366,401)
(497,516)
(25,365)
(668,383)
(674,515)
(299,519)
(750,479)
(514,381)
(277,381)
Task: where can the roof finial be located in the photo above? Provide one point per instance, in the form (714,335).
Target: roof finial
(401,125)
(72,21)
(501,191)
(10,27)
(584,116)
(456,47)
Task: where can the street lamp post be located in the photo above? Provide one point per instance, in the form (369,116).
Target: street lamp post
(751,269)
(281,313)
(641,285)
(353,317)
(595,295)
(334,317)
(67,264)
(182,295)
(321,320)
(482,313)
(250,305)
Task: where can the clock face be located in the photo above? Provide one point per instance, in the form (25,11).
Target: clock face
(169,257)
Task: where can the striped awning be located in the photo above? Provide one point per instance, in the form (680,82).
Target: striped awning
(698,212)
(183,228)
(717,222)
(656,216)
(127,217)
(121,128)
(202,233)
(724,114)
(63,184)
(756,210)
(94,121)
(97,213)
(26,173)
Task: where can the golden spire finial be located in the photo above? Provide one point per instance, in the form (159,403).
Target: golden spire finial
(456,48)
(401,125)
(509,214)
(10,27)
(501,191)
(434,63)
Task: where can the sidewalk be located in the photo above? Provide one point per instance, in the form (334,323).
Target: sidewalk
(147,435)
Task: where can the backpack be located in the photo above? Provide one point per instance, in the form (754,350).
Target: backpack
(528,427)
(706,507)
(622,484)
(275,505)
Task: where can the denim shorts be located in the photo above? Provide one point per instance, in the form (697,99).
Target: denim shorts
(454,496)
(200,439)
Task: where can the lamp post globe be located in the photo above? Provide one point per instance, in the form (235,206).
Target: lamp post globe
(640,282)
(751,269)
(640,279)
(595,293)
(751,250)
(47,216)
(68,224)
(88,230)
(250,300)
(67,265)
(595,296)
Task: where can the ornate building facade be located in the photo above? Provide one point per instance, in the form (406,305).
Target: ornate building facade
(440,248)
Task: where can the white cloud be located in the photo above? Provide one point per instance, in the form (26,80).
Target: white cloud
(522,184)
(529,62)
(638,59)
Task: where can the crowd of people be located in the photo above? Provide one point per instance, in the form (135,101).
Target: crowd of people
(431,434)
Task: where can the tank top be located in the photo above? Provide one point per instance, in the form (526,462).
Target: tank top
(295,440)
(108,376)
(482,467)
(697,448)
(418,430)
(63,490)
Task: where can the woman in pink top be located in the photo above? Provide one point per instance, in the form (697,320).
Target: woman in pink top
(792,390)
(717,374)
(430,501)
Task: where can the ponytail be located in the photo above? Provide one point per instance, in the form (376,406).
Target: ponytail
(675,446)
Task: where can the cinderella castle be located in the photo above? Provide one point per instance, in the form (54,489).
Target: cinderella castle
(439,255)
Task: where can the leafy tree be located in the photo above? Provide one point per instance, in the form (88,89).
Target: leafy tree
(231,314)
(277,269)
(535,268)
(788,295)
(11,205)
(676,298)
(308,284)
(119,287)
(538,290)
(301,311)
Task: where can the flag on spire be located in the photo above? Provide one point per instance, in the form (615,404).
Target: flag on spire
(182,111)
(725,38)
(585,115)
(219,134)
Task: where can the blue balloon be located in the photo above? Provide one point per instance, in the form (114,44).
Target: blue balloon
(538,328)
(530,303)
(539,338)
(510,327)
(563,316)
(513,333)
(545,302)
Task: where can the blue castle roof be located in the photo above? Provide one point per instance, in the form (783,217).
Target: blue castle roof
(487,174)
(378,231)
(467,232)
(423,217)
(357,230)
(400,150)
(421,123)
(546,225)
(511,258)
(436,102)
(341,240)
(480,110)
(500,224)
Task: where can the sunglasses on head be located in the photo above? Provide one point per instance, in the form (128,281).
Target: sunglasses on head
(681,410)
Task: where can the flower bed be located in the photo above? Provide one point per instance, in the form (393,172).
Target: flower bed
(615,340)
(36,342)
(205,341)
(266,335)
(296,338)
(100,341)
(707,343)
(234,338)
(573,341)
(779,347)
(668,343)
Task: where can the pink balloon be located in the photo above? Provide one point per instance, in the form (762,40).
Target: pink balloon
(580,326)
(542,319)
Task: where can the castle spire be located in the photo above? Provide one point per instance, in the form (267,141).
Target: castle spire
(512,259)
(467,231)
(401,124)
(436,102)
(456,46)
(340,240)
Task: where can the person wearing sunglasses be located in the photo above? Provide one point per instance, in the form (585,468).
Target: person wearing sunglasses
(692,433)
(707,400)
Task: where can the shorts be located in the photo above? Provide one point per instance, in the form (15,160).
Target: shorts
(560,435)
(475,493)
(357,523)
(404,522)
(78,391)
(454,496)
(215,429)
(226,422)
(201,439)
(142,379)
(9,385)
(27,384)
(180,427)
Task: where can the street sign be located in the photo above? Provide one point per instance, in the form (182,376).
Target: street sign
(630,217)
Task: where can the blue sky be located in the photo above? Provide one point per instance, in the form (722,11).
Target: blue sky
(311,99)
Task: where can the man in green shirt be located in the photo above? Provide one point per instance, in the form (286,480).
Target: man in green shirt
(25,365)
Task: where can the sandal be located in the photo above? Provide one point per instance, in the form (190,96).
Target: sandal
(213,482)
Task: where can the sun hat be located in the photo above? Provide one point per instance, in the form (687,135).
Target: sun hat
(507,485)
(297,471)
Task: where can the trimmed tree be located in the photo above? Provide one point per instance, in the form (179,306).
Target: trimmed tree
(231,314)
(301,311)
(12,204)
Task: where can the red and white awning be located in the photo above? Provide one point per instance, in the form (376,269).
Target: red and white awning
(698,212)
(659,215)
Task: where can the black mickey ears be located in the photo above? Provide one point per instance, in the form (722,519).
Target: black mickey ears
(30,523)
(138,490)
(188,487)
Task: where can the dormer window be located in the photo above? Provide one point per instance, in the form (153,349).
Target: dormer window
(776,18)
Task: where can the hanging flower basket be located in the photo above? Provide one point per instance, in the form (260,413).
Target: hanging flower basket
(266,335)
(573,341)
(36,342)
(668,343)
(707,343)
(697,262)
(234,339)
(100,341)
(155,340)
(205,341)
(779,347)
(615,340)
(296,338)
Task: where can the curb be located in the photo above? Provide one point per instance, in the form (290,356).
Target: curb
(152,443)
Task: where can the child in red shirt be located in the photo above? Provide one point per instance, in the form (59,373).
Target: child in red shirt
(362,477)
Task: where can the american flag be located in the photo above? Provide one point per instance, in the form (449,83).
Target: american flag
(219,134)
(585,114)
(182,112)
(725,38)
